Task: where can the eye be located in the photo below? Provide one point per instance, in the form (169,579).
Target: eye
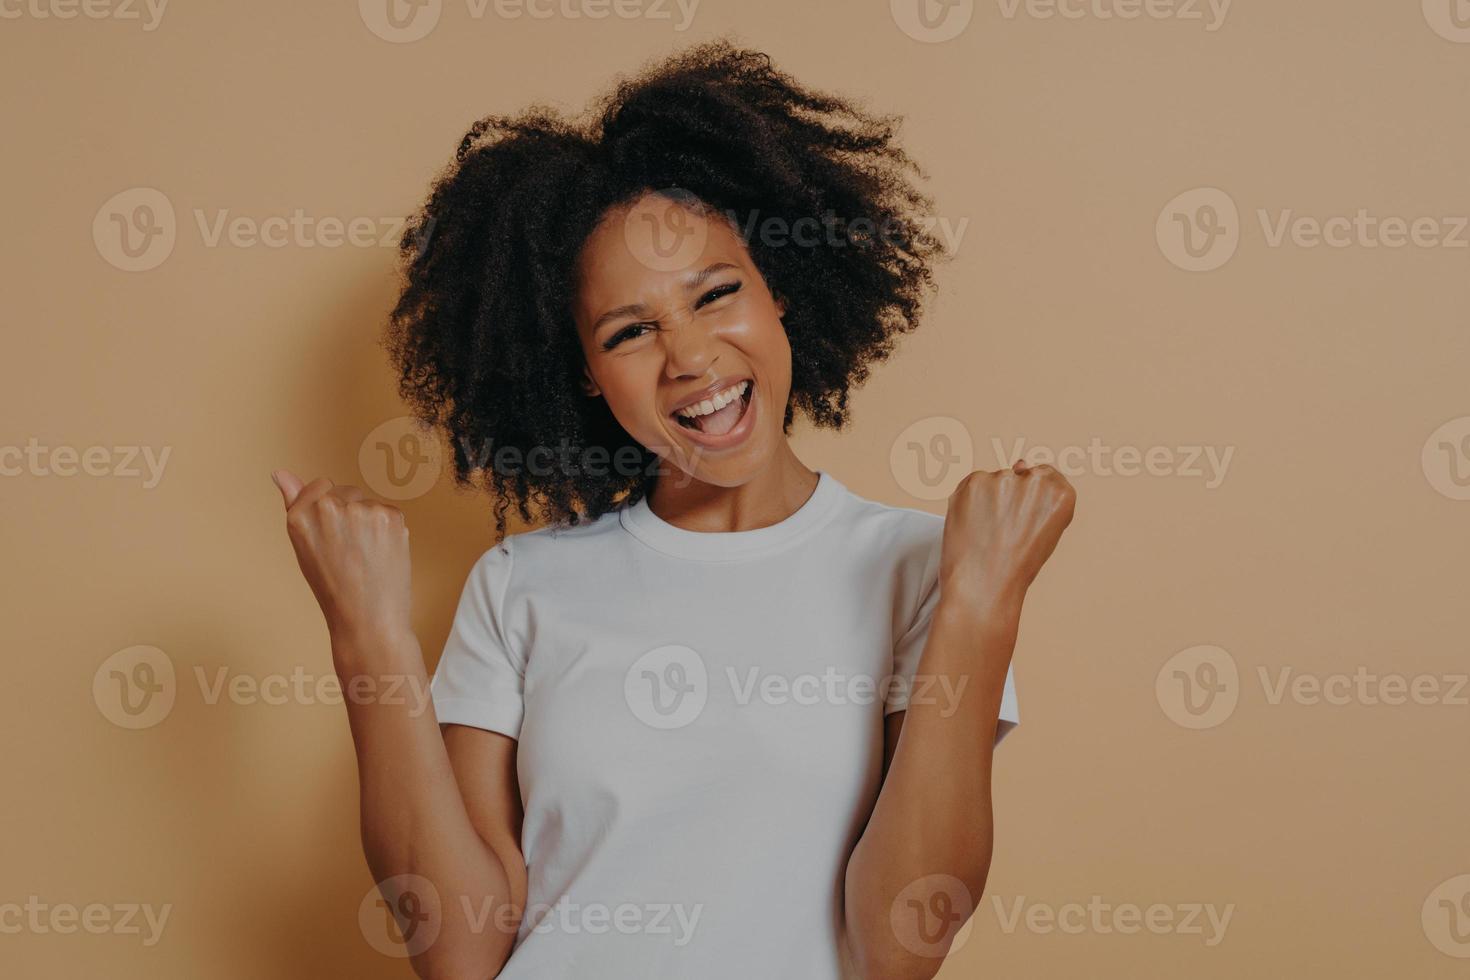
(629,332)
(719,292)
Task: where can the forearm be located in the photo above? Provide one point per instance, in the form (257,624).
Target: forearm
(413,816)
(933,814)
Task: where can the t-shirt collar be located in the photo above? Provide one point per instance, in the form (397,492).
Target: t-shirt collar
(640,521)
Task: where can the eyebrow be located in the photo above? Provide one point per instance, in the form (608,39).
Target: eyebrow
(694,281)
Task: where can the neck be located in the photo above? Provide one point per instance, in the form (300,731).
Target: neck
(769,497)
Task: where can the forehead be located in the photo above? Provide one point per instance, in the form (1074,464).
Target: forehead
(649,247)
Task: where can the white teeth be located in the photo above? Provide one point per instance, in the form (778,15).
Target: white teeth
(716,403)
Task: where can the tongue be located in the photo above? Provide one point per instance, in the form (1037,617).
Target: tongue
(721,422)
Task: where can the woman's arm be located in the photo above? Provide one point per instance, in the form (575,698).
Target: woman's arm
(441,807)
(932,824)
(921,864)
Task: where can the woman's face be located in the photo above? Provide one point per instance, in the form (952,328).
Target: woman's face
(684,340)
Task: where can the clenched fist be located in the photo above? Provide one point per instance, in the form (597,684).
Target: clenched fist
(999,530)
(354,554)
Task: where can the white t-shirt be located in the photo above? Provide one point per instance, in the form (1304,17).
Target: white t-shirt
(700,725)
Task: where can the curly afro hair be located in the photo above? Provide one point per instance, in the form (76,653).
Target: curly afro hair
(483,335)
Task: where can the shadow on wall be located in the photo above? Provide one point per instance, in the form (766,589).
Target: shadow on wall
(290,775)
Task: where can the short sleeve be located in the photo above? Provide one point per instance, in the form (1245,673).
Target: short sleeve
(910,647)
(480,680)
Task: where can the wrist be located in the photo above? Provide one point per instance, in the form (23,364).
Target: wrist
(373,647)
(995,612)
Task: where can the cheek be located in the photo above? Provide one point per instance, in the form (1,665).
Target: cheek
(759,334)
(630,387)
(769,348)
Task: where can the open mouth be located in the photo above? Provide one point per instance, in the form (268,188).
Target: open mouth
(719,414)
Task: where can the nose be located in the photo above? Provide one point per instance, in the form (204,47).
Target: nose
(689,350)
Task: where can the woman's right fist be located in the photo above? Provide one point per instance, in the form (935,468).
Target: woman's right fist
(353,552)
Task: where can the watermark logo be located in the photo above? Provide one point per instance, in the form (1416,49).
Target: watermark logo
(570,460)
(1103,918)
(1362,687)
(400,459)
(670,686)
(1450,19)
(135,688)
(118,462)
(838,688)
(1446,917)
(38,917)
(138,687)
(149,13)
(932,21)
(833,231)
(400,917)
(135,230)
(929,458)
(400,21)
(1198,687)
(1362,229)
(1446,458)
(405,21)
(301,688)
(676,921)
(1199,230)
(931,917)
(667,687)
(1211,13)
(666,232)
(1207,463)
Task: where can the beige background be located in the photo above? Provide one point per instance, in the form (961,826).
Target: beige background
(1332,543)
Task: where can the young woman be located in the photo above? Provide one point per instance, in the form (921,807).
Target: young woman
(722,717)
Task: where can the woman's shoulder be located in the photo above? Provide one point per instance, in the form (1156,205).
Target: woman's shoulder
(545,557)
(901,519)
(554,542)
(903,535)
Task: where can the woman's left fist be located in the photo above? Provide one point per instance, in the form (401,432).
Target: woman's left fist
(1000,528)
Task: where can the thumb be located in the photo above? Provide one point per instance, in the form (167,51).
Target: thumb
(289,484)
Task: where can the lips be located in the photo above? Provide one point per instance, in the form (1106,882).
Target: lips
(720,415)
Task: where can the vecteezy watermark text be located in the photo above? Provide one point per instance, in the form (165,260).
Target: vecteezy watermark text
(1099,917)
(1201,686)
(39,917)
(118,462)
(405,21)
(1200,230)
(136,230)
(1209,463)
(149,13)
(669,687)
(137,688)
(403,916)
